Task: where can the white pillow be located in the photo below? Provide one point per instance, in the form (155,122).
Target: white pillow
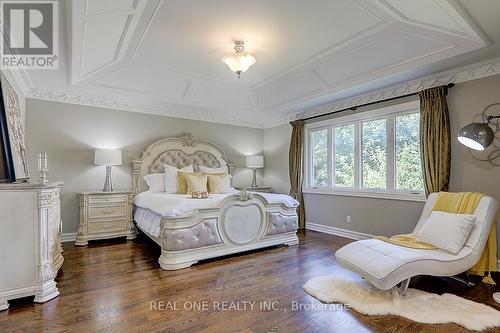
(155,181)
(204,169)
(446,231)
(171,178)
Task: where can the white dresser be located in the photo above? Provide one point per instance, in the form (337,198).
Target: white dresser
(30,241)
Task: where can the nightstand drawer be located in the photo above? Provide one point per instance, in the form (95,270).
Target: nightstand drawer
(107,212)
(100,227)
(108,199)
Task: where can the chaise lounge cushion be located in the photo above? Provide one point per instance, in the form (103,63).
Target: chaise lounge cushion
(384,264)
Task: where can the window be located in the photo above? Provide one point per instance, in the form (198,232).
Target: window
(373,153)
(319,144)
(344,156)
(407,147)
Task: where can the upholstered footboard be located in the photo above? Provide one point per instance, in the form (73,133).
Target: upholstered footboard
(243,222)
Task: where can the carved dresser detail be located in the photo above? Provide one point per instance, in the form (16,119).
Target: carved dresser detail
(30,241)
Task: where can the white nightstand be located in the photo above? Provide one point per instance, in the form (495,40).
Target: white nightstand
(264,189)
(105,215)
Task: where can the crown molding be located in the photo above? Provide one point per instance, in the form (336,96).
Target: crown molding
(80,99)
(461,74)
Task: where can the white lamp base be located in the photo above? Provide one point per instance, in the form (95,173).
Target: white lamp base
(108,185)
(496,297)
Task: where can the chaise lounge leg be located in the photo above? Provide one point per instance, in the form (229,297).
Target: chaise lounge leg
(464,281)
(403,287)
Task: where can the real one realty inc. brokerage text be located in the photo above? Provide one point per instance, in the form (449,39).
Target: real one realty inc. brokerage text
(221,305)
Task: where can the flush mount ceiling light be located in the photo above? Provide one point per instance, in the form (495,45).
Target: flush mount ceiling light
(240,61)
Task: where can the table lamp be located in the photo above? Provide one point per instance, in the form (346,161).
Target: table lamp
(108,157)
(255,162)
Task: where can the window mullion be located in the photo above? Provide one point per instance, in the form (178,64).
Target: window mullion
(390,154)
(330,155)
(357,156)
(334,182)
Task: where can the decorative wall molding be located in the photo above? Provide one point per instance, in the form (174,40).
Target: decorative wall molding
(462,74)
(214,117)
(337,231)
(471,72)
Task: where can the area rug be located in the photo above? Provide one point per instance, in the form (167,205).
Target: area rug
(417,305)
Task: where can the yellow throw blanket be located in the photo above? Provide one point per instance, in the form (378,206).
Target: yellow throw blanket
(457,203)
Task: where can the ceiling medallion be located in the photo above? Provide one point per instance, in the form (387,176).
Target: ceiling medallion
(240,61)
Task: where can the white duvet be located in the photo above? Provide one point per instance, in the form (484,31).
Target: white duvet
(174,205)
(151,206)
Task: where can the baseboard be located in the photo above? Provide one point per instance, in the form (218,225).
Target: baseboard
(337,231)
(68,237)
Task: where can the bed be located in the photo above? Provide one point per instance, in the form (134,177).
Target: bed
(189,230)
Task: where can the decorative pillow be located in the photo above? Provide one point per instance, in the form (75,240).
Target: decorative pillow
(204,169)
(219,183)
(155,181)
(446,231)
(182,180)
(171,178)
(196,182)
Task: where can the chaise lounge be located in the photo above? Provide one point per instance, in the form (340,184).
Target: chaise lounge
(385,265)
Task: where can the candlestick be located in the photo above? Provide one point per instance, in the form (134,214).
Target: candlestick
(43,167)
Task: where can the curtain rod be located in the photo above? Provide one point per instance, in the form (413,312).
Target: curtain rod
(353,108)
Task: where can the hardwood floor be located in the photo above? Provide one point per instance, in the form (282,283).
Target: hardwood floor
(112,286)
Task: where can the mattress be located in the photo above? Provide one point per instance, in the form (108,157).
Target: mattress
(152,206)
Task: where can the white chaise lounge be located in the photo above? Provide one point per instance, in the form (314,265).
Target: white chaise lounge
(386,265)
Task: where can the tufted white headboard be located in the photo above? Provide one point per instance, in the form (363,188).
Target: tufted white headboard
(178,152)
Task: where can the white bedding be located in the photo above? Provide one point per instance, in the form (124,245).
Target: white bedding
(153,205)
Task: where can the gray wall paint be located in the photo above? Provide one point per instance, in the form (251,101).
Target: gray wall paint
(276,145)
(389,217)
(70,133)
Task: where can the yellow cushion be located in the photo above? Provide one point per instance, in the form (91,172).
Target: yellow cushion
(182,180)
(196,182)
(219,183)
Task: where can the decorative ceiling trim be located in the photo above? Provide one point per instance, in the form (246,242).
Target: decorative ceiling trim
(462,74)
(80,99)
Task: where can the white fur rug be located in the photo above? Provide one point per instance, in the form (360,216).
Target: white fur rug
(416,305)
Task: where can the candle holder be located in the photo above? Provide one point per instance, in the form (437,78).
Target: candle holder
(43,167)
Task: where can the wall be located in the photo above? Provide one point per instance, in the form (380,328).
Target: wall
(70,133)
(276,145)
(389,217)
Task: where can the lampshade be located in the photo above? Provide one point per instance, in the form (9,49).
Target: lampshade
(240,61)
(108,157)
(477,136)
(255,162)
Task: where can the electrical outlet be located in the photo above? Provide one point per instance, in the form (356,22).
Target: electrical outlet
(348,219)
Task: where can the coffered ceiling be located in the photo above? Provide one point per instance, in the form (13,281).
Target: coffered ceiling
(164,56)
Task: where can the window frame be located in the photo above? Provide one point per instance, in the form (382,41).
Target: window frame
(391,192)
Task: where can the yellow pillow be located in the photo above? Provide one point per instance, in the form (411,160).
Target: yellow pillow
(182,180)
(196,183)
(219,183)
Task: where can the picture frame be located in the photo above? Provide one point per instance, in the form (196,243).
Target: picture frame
(6,165)
(13,161)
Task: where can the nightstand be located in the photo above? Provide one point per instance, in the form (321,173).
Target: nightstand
(264,189)
(105,215)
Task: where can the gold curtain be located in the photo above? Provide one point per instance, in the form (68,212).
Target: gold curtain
(295,164)
(435,139)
